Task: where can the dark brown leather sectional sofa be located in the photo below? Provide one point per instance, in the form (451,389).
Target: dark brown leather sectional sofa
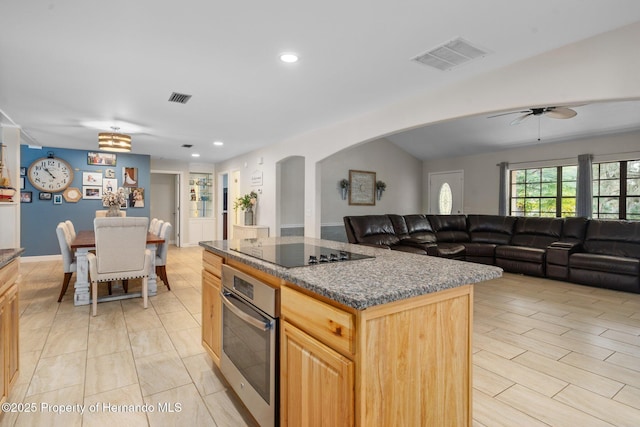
(602,253)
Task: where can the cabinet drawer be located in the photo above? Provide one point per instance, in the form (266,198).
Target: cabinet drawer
(330,325)
(8,275)
(212,263)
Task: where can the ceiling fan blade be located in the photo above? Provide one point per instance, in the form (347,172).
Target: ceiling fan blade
(561,113)
(511,112)
(521,119)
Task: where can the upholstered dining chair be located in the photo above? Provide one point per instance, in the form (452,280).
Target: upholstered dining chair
(121,253)
(72,229)
(158,227)
(161,254)
(152,224)
(69,264)
(103,213)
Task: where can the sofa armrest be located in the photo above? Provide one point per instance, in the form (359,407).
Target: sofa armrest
(558,252)
(568,246)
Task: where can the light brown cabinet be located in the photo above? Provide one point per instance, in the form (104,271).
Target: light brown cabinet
(403,363)
(9,351)
(316,383)
(211,305)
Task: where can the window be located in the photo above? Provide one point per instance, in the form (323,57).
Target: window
(548,192)
(616,190)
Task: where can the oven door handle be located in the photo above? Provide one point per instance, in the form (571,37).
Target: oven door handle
(263,326)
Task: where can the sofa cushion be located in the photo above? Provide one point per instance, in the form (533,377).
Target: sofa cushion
(447,250)
(520,253)
(374,229)
(608,263)
(611,237)
(475,249)
(419,227)
(399,225)
(449,228)
(491,228)
(574,229)
(536,232)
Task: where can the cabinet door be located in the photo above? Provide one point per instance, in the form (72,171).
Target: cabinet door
(211,314)
(11,314)
(317,383)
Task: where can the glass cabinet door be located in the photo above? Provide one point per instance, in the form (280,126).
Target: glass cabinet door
(200,195)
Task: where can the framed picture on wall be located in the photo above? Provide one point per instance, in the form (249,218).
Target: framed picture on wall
(23,171)
(57,199)
(362,188)
(109,185)
(25,196)
(110,173)
(94,158)
(44,196)
(129,177)
(91,178)
(92,192)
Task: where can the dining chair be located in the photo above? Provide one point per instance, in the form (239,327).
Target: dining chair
(158,227)
(72,229)
(103,213)
(152,224)
(161,254)
(121,253)
(69,263)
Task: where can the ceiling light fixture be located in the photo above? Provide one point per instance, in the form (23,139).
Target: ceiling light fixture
(218,143)
(289,57)
(114,141)
(195,155)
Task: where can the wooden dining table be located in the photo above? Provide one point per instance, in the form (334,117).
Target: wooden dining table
(84,242)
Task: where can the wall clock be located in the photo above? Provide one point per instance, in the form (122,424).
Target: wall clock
(50,174)
(72,195)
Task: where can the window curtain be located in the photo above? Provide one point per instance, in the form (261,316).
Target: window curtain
(584,190)
(503,193)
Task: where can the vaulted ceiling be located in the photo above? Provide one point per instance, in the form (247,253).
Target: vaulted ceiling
(71,69)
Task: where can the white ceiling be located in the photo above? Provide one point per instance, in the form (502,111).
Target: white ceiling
(66,63)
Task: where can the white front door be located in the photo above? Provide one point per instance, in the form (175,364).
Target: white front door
(446,192)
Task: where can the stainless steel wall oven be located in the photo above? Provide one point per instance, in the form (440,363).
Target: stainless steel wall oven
(249,358)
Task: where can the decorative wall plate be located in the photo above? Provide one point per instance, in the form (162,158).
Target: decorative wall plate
(72,195)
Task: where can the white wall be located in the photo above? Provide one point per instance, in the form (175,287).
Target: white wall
(398,169)
(481,174)
(292,192)
(163,199)
(597,69)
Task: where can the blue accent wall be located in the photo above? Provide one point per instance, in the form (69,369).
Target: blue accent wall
(39,218)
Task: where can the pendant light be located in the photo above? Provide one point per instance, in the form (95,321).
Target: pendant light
(114,141)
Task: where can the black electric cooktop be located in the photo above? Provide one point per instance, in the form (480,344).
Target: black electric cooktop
(297,254)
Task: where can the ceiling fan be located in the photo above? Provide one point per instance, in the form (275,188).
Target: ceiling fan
(553,112)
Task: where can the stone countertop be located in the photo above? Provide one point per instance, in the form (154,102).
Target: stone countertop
(8,255)
(390,276)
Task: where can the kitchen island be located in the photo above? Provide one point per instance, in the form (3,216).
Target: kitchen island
(378,341)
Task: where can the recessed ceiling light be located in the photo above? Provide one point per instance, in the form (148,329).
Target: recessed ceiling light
(288,57)
(218,143)
(195,155)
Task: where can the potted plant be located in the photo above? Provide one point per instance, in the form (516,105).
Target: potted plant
(247,203)
(344,186)
(380,187)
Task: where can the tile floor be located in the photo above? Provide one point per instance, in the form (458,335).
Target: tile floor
(126,355)
(546,353)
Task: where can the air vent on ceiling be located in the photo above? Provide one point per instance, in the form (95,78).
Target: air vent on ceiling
(187,145)
(180,98)
(450,55)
